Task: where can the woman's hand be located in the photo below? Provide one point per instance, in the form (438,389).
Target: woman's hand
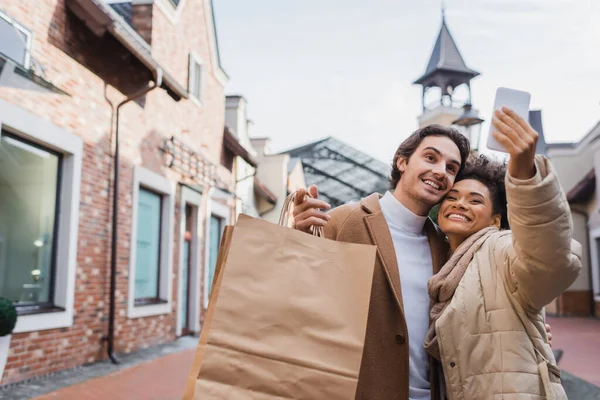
(520,139)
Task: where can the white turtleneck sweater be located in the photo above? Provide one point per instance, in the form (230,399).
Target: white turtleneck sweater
(415,266)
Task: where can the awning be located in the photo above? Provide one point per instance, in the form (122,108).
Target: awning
(231,143)
(262,191)
(16,76)
(101,18)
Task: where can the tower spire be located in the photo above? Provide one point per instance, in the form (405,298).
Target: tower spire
(443,10)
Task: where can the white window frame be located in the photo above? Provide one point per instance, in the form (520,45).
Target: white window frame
(31,127)
(595,263)
(195,59)
(193,198)
(27,33)
(148,179)
(172,12)
(216,208)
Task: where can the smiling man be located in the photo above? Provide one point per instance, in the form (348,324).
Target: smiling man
(410,251)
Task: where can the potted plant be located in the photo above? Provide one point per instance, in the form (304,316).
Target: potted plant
(8,320)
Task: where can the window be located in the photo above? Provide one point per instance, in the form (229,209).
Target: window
(215,232)
(218,216)
(147,264)
(195,77)
(29,188)
(15,41)
(190,250)
(151,257)
(40,183)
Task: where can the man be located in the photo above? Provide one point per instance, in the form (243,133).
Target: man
(409,248)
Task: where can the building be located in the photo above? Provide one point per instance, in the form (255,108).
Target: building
(575,165)
(277,176)
(253,197)
(75,75)
(342,173)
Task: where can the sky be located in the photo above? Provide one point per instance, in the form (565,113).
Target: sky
(344,68)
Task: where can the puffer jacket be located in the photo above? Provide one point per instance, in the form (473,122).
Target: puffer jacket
(493,343)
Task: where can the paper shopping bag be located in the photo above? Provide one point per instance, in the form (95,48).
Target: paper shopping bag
(289,315)
(198,357)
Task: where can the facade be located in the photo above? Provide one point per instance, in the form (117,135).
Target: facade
(576,165)
(250,193)
(64,70)
(277,176)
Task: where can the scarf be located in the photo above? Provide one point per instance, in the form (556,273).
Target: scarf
(441,286)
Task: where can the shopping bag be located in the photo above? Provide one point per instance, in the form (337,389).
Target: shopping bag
(224,247)
(289,319)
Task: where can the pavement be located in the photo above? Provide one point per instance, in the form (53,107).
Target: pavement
(160,373)
(157,373)
(579,338)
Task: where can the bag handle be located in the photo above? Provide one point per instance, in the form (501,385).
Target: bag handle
(285,214)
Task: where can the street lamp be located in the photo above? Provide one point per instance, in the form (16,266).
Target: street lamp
(471,125)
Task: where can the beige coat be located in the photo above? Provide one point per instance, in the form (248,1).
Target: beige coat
(492,339)
(384,368)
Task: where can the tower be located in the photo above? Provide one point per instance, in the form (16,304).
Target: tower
(446,70)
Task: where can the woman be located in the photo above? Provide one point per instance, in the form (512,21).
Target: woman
(487,323)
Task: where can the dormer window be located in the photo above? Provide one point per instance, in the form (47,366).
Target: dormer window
(15,41)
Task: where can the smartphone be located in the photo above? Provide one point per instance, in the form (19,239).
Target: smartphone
(516,100)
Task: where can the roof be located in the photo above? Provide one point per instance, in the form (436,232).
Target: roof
(586,140)
(261,190)
(446,58)
(124,9)
(342,173)
(232,144)
(100,18)
(583,189)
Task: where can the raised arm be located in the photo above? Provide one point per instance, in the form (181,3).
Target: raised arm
(543,260)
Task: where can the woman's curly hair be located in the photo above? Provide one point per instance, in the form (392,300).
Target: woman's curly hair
(491,173)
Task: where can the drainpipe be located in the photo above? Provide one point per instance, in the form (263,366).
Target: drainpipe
(158,75)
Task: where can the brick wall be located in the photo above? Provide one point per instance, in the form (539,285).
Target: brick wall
(87,67)
(141,20)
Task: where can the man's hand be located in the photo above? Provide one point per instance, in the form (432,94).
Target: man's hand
(549,332)
(520,139)
(307,210)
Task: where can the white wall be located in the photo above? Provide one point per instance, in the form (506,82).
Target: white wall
(580,233)
(296,178)
(272,172)
(237,120)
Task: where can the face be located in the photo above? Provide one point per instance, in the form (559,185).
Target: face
(467,209)
(429,173)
